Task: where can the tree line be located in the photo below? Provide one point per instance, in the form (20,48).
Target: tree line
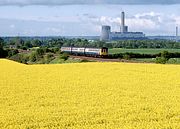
(161,57)
(59,42)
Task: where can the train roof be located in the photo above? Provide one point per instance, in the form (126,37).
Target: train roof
(91,47)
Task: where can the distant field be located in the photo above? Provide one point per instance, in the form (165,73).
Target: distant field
(142,51)
(152,60)
(89,96)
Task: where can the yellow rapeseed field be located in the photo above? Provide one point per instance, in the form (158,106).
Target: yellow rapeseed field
(89,96)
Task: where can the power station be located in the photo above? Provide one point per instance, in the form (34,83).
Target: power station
(107,35)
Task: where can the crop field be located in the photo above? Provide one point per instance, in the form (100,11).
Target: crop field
(89,96)
(141,51)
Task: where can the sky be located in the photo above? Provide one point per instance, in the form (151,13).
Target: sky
(85,17)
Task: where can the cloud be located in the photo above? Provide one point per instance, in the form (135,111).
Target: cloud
(147,22)
(12,26)
(150,20)
(175,19)
(72,2)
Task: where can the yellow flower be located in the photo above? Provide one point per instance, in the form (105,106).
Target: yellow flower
(89,96)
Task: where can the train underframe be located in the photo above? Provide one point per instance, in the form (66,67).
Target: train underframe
(88,55)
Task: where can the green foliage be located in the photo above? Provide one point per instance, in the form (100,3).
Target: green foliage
(56,42)
(64,56)
(1,43)
(17,41)
(20,58)
(164,57)
(36,43)
(161,60)
(126,57)
(40,52)
(3,53)
(55,50)
(48,58)
(134,44)
(12,52)
(173,61)
(33,57)
(28,44)
(141,51)
(45,50)
(128,44)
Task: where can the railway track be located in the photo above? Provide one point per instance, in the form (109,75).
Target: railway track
(101,59)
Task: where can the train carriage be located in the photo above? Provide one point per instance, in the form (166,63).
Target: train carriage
(101,52)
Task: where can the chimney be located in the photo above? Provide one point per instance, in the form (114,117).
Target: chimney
(177,38)
(176,31)
(122,22)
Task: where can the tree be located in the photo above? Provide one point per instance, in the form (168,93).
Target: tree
(3,53)
(28,44)
(1,43)
(164,57)
(17,41)
(36,43)
(40,52)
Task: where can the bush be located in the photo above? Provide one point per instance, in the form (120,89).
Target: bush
(12,52)
(126,57)
(166,55)
(3,53)
(173,61)
(40,52)
(56,50)
(48,58)
(64,56)
(20,58)
(161,60)
(33,57)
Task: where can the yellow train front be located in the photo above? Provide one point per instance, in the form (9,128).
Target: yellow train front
(95,52)
(104,51)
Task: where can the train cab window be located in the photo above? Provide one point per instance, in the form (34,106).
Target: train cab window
(104,50)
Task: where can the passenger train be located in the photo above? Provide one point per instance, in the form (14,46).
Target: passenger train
(96,52)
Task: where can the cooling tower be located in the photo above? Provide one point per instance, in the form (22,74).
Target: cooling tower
(105,33)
